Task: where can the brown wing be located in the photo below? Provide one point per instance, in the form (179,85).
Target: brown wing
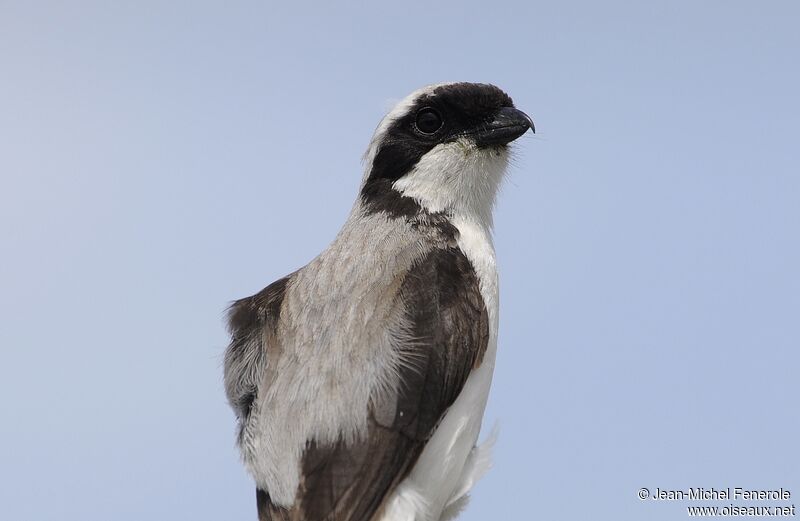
(450,326)
(251,321)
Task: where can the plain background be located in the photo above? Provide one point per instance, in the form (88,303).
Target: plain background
(160,159)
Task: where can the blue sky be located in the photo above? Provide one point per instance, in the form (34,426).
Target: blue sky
(159,159)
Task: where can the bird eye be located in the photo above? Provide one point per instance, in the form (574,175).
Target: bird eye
(428,121)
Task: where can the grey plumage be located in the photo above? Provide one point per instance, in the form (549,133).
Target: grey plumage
(340,373)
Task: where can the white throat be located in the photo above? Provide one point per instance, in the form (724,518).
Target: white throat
(459,179)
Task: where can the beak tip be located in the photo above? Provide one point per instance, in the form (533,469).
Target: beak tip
(530,123)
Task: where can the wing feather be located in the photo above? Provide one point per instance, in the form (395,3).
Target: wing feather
(449,328)
(252,322)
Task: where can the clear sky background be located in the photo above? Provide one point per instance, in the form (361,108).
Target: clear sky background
(160,159)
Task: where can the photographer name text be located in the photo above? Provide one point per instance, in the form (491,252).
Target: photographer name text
(720,494)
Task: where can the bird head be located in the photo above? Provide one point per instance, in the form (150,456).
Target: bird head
(443,148)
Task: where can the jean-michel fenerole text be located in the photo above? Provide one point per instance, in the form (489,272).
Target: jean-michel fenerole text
(717,494)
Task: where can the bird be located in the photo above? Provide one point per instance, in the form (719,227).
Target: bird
(359,381)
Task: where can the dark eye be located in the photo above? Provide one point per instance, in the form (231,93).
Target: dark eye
(428,121)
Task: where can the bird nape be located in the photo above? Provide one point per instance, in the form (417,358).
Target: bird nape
(359,381)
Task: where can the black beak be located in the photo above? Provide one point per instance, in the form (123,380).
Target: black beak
(508,124)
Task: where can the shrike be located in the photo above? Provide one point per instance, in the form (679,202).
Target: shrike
(359,381)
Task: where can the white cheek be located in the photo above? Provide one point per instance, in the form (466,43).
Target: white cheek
(457,178)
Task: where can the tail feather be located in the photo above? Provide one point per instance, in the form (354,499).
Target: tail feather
(477,465)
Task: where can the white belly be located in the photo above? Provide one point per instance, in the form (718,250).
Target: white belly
(450,463)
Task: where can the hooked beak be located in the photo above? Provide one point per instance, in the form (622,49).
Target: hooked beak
(508,124)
